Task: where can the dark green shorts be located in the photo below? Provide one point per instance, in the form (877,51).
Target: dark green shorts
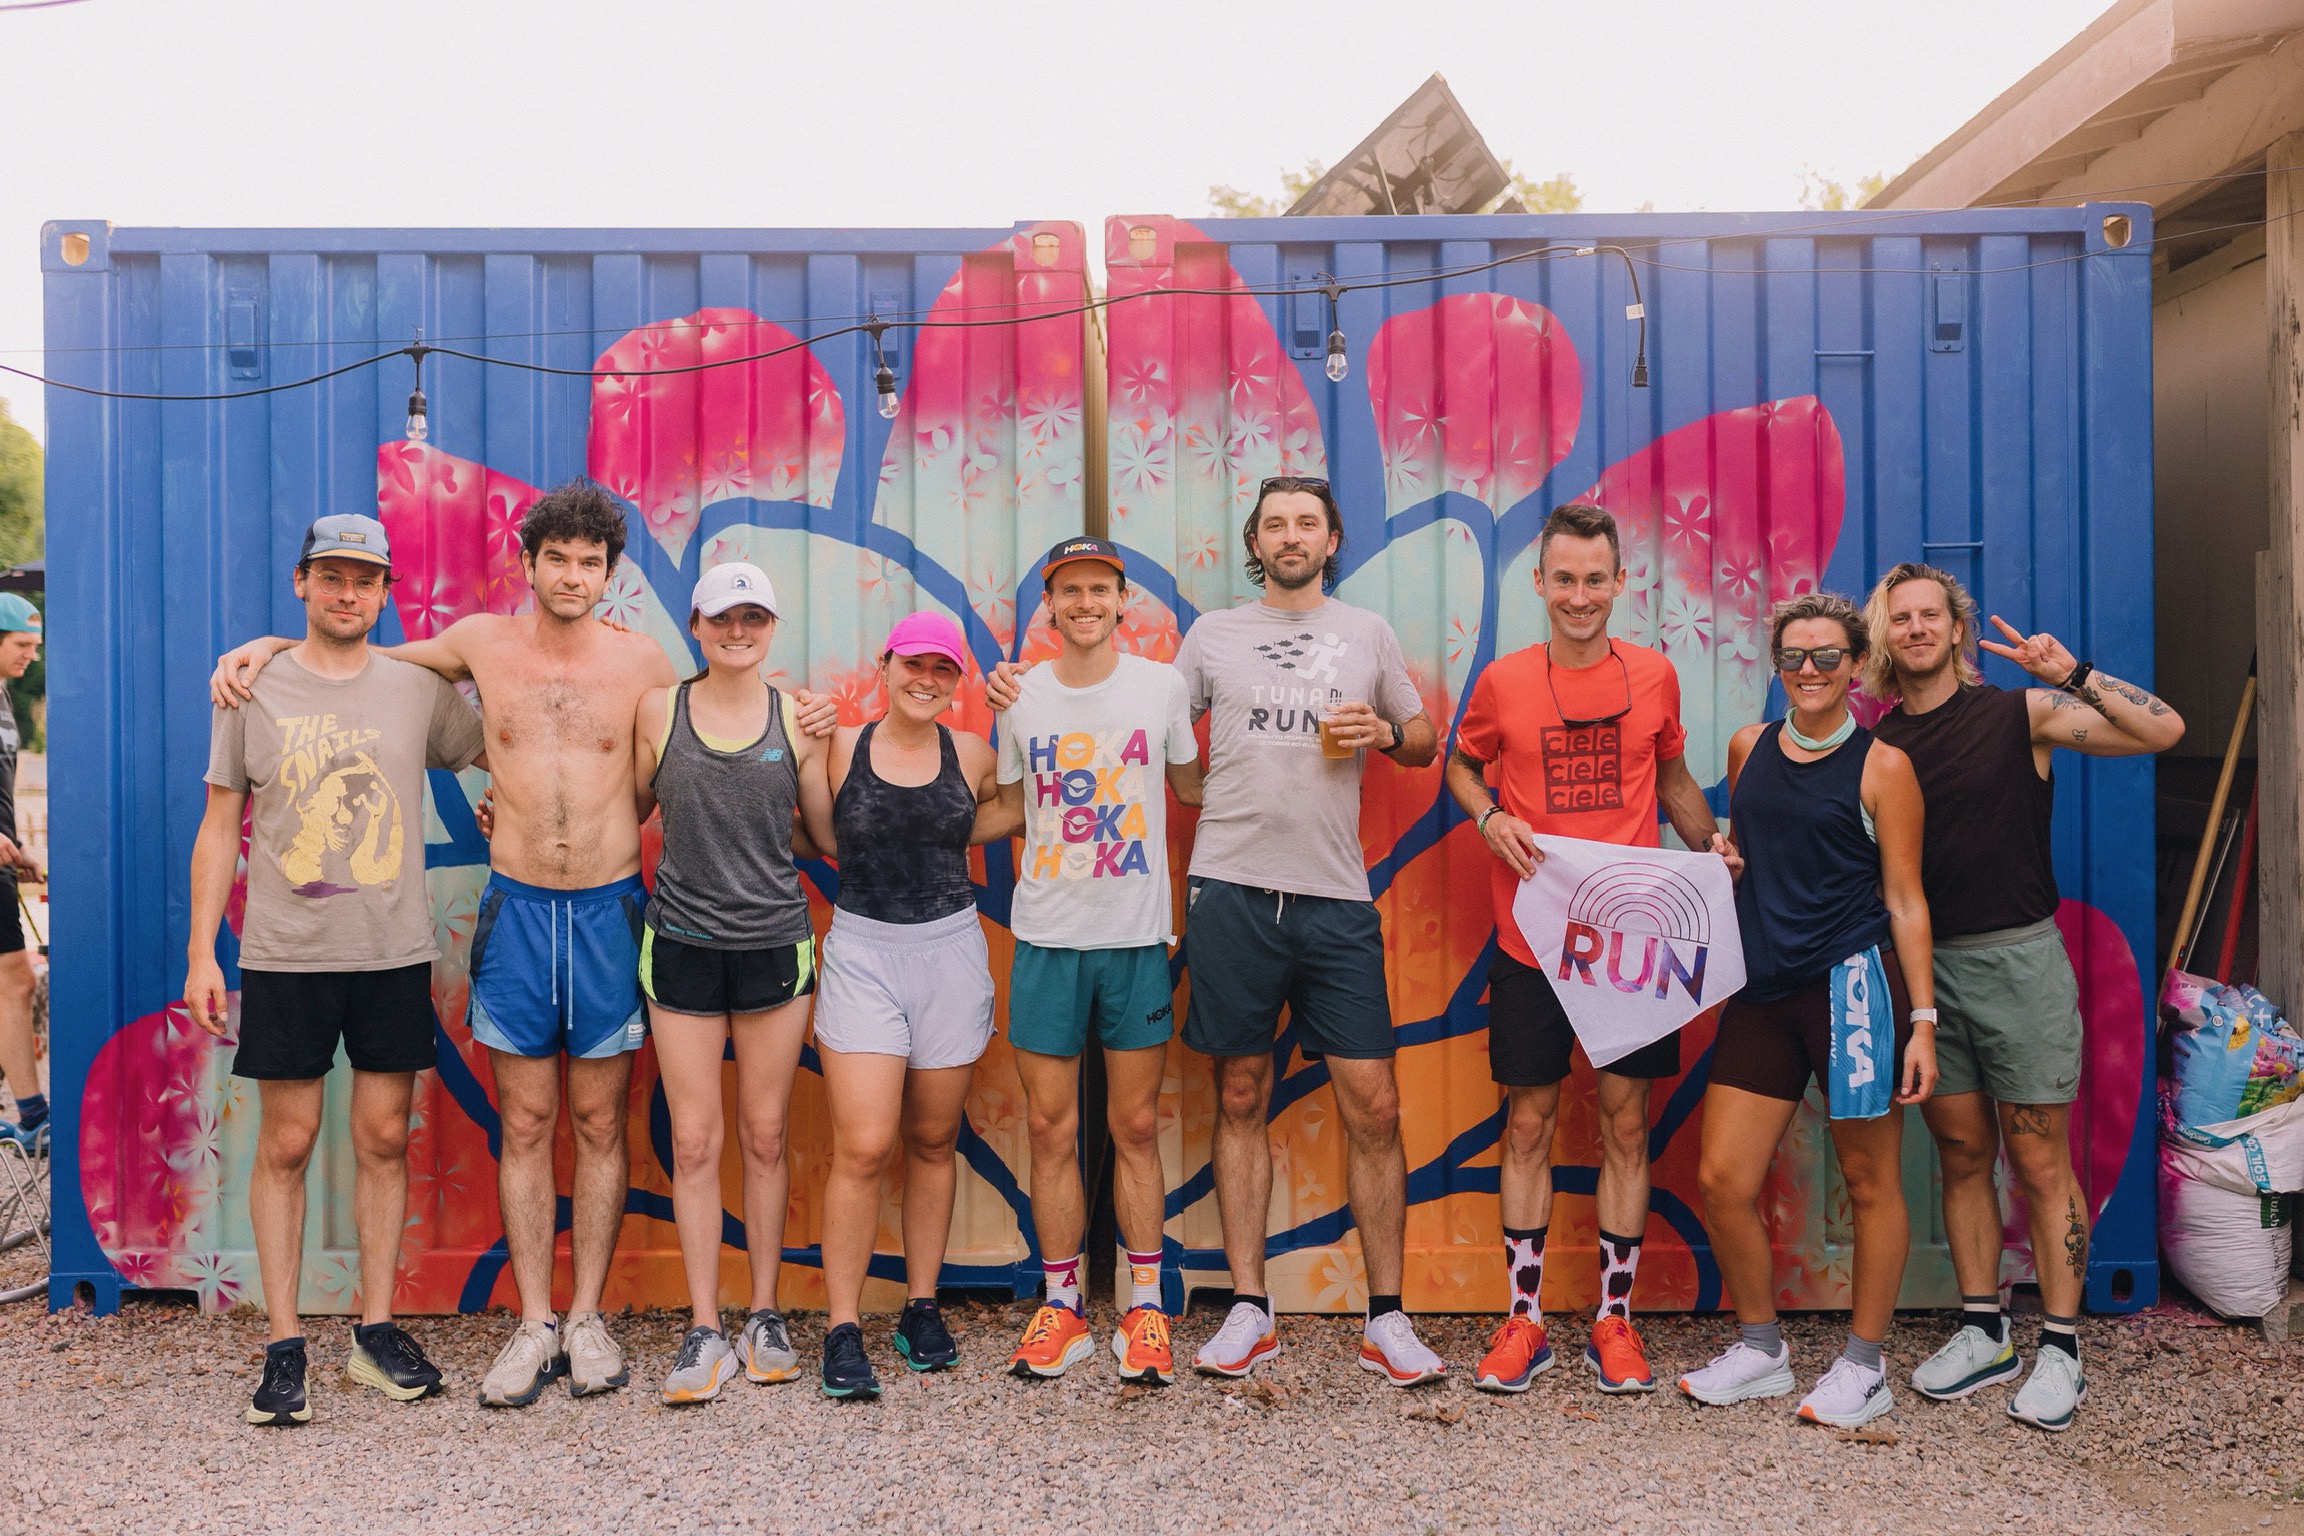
(2008,1016)
(1252,952)
(1055,994)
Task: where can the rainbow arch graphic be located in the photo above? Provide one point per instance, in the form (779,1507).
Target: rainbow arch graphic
(1641,898)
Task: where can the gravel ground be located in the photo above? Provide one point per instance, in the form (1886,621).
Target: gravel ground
(132,1422)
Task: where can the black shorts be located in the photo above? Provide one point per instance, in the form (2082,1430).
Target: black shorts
(11,921)
(1530,1039)
(1773,1048)
(688,978)
(1251,951)
(290,1022)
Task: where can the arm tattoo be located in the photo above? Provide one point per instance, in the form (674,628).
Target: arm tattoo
(2131,693)
(2079,734)
(2075,1239)
(2028,1120)
(1468,760)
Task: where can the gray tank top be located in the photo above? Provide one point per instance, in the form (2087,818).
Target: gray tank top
(726,879)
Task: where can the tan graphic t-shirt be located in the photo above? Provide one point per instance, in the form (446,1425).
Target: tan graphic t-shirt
(334,771)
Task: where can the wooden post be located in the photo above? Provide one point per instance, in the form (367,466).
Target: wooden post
(2279,586)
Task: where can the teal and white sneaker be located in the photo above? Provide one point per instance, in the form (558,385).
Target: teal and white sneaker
(706,1364)
(1848,1396)
(2047,1399)
(1740,1373)
(1971,1360)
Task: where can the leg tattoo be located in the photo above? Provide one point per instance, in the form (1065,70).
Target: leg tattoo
(2075,1238)
(2028,1120)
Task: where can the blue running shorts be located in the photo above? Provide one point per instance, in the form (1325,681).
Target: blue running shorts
(558,971)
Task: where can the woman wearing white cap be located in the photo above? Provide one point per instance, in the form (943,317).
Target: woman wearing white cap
(728,953)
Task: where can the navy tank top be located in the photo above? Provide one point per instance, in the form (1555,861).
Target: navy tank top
(903,847)
(1810,896)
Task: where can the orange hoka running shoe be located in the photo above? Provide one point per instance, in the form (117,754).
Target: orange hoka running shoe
(1616,1357)
(1141,1346)
(1056,1339)
(1517,1354)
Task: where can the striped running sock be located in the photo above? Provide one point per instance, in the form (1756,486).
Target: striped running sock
(1063,1277)
(2060,1333)
(1984,1312)
(1143,1279)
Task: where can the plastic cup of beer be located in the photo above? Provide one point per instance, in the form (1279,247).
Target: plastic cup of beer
(1329,745)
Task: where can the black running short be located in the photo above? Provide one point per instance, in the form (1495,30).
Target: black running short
(1530,1040)
(1774,1048)
(290,1022)
(688,978)
(12,920)
(1251,952)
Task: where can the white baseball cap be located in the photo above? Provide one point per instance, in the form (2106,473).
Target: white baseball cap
(731,586)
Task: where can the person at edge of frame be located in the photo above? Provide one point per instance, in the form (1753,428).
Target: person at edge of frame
(19,1055)
(1298,688)
(1086,741)
(2008,1045)
(1581,735)
(336,942)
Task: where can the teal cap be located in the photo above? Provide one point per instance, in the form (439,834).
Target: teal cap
(17,614)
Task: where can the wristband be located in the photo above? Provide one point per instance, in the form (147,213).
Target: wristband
(1922,1016)
(2078,679)
(1398,736)
(1480,822)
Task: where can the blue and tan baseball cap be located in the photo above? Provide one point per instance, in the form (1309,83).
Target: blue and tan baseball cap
(346,536)
(17,615)
(1086,547)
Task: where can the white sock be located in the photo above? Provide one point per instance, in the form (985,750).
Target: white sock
(1063,1279)
(1143,1278)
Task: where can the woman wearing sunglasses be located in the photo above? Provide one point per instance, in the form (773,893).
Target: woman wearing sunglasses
(1836,955)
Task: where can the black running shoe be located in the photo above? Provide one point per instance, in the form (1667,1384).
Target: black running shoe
(847,1370)
(922,1339)
(384,1357)
(280,1396)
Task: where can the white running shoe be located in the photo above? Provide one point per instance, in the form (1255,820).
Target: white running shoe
(1739,1373)
(1390,1348)
(595,1363)
(705,1365)
(529,1361)
(1848,1396)
(1248,1335)
(1971,1360)
(765,1347)
(2049,1396)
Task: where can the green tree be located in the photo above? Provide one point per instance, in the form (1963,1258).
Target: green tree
(1558,195)
(1823,194)
(22,536)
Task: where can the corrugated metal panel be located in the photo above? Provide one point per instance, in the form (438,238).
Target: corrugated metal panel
(175,526)
(1829,394)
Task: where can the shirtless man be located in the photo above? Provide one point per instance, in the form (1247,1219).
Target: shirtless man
(555,950)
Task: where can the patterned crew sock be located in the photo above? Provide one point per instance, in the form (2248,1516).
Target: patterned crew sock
(31,1110)
(2060,1333)
(1063,1276)
(1143,1279)
(1984,1312)
(1619,1263)
(1524,1262)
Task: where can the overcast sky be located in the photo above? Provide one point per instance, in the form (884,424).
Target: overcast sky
(747,113)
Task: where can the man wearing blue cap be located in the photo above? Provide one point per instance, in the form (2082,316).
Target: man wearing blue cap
(19,648)
(328,761)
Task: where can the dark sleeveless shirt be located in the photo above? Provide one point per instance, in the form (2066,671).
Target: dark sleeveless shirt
(1810,896)
(726,879)
(904,848)
(1985,859)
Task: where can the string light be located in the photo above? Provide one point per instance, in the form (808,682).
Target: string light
(883,376)
(1338,364)
(417,428)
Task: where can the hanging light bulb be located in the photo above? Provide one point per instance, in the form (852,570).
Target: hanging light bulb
(418,429)
(1338,364)
(885,382)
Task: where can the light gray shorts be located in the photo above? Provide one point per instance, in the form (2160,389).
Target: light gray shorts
(2009,1016)
(922,991)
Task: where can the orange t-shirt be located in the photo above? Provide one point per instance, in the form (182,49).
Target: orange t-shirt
(1594,781)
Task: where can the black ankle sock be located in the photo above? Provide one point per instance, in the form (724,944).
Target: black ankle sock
(1379,1305)
(1985,1313)
(1262,1304)
(296,1343)
(31,1109)
(2060,1333)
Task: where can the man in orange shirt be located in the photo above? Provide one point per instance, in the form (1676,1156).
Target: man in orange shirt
(1582,738)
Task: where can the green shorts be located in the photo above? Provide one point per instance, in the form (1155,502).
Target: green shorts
(1053,995)
(2008,1016)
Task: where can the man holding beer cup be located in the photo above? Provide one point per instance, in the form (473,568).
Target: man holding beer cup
(1277,910)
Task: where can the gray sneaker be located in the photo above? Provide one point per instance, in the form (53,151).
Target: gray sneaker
(529,1361)
(766,1348)
(595,1364)
(1971,1360)
(706,1364)
(2052,1393)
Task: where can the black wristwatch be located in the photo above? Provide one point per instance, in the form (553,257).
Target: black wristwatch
(1398,736)
(2078,680)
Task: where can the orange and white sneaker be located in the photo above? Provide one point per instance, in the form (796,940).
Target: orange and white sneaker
(1391,1349)
(1247,1336)
(1056,1340)
(1615,1354)
(1518,1353)
(1140,1344)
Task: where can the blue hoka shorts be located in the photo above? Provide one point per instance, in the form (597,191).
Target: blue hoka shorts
(558,971)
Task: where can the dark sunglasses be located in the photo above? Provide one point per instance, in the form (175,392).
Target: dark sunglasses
(1291,483)
(1789,658)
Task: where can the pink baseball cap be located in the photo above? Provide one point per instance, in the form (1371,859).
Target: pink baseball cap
(926,634)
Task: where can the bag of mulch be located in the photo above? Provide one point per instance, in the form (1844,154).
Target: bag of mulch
(2231,1055)
(2228,1196)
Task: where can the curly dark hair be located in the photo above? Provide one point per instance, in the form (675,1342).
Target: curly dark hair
(579,511)
(1333,568)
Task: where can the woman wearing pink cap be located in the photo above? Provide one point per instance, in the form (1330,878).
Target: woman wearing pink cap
(904,1004)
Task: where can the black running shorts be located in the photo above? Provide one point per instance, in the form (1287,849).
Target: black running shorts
(688,978)
(1250,952)
(1530,1040)
(290,1022)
